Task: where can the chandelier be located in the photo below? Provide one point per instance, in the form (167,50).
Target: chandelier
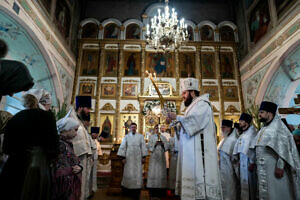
(166,31)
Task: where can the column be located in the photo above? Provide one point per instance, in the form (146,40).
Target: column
(238,79)
(77,72)
(219,77)
(141,116)
(118,93)
(177,73)
(98,88)
(142,69)
(198,70)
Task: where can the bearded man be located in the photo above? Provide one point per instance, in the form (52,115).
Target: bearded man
(198,174)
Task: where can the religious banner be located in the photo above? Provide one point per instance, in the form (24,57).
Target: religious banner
(111,63)
(161,64)
(132,64)
(226,64)
(89,65)
(208,65)
(187,65)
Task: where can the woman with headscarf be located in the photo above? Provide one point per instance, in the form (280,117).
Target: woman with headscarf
(43,97)
(32,142)
(67,169)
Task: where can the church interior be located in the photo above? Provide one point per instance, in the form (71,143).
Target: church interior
(241,51)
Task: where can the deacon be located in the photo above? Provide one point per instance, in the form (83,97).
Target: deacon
(241,159)
(277,159)
(198,174)
(133,151)
(157,172)
(81,142)
(227,173)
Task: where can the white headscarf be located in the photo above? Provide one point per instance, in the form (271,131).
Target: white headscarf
(66,124)
(43,97)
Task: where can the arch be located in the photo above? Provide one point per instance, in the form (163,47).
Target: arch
(231,25)
(85,22)
(129,22)
(32,37)
(89,20)
(111,20)
(193,25)
(207,22)
(272,71)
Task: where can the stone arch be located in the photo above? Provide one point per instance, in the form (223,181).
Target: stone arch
(30,34)
(85,22)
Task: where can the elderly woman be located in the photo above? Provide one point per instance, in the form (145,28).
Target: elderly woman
(31,141)
(67,175)
(43,97)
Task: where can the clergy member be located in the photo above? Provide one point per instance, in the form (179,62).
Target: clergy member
(163,131)
(81,142)
(133,151)
(277,159)
(198,174)
(228,177)
(173,164)
(241,159)
(93,177)
(157,172)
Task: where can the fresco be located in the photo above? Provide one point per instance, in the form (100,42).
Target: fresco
(66,80)
(24,49)
(259,21)
(251,85)
(291,64)
(277,87)
(161,64)
(293,118)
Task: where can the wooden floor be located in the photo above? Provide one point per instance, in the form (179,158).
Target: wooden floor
(103,187)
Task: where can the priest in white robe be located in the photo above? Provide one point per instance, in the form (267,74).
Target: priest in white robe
(81,143)
(173,164)
(163,131)
(133,151)
(276,156)
(157,172)
(198,175)
(228,177)
(93,177)
(241,159)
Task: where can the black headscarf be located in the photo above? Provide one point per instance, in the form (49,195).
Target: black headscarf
(14,77)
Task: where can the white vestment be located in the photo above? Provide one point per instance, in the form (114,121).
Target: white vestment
(93,174)
(228,177)
(83,151)
(157,172)
(173,164)
(240,155)
(198,175)
(133,148)
(274,147)
(167,136)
